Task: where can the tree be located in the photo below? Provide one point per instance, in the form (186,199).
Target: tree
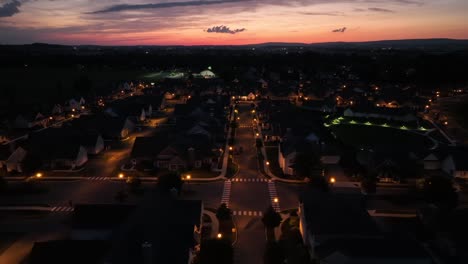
(271,219)
(319,183)
(135,184)
(273,253)
(170,180)
(223,213)
(216,251)
(305,163)
(439,191)
(369,183)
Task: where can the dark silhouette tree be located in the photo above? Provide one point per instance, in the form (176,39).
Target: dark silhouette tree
(439,191)
(223,213)
(319,183)
(168,181)
(306,164)
(271,219)
(216,251)
(369,183)
(273,253)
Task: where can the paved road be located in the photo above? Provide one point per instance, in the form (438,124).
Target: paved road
(250,197)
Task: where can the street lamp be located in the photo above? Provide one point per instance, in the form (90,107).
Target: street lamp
(267,163)
(188,177)
(332,180)
(256,134)
(230,148)
(219,236)
(121,175)
(275,200)
(38,175)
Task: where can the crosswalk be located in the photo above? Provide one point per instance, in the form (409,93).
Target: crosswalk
(250,180)
(247,213)
(62,209)
(273,196)
(99,178)
(226,193)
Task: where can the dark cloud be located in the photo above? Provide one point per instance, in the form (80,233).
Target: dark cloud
(224,29)
(339,30)
(322,13)
(10,8)
(125,7)
(383,10)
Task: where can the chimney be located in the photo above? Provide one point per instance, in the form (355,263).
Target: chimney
(147,253)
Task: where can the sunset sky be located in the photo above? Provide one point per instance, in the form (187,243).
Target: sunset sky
(196,22)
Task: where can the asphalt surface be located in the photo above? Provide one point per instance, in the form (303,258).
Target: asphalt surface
(248,197)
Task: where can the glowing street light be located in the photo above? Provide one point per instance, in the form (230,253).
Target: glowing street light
(121,175)
(188,177)
(38,175)
(267,163)
(257,134)
(230,148)
(275,200)
(219,236)
(332,180)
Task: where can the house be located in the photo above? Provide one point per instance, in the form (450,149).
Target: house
(69,251)
(147,237)
(455,164)
(12,157)
(325,106)
(29,120)
(299,141)
(110,128)
(372,250)
(140,107)
(98,221)
(337,229)
(325,217)
(57,153)
(182,155)
(146,150)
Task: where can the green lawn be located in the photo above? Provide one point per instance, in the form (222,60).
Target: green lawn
(375,137)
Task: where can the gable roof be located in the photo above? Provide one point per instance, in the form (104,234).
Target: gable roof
(167,225)
(69,251)
(337,214)
(100,216)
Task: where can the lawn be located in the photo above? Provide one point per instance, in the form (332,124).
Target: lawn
(363,136)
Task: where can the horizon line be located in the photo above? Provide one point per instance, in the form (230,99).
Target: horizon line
(239,45)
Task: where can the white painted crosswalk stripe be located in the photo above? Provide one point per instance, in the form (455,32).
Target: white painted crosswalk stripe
(226,192)
(99,178)
(273,196)
(249,180)
(62,209)
(247,213)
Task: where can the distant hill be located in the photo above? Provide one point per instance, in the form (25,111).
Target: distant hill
(429,44)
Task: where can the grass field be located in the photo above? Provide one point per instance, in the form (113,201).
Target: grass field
(363,136)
